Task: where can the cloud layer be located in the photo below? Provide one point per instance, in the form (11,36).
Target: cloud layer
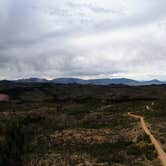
(87,39)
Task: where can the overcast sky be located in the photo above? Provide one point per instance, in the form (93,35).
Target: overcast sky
(83,38)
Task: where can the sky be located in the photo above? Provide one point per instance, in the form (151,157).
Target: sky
(84,39)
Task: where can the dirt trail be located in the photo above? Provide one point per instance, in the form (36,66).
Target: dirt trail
(160,151)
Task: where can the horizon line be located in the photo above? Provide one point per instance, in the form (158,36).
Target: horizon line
(114,78)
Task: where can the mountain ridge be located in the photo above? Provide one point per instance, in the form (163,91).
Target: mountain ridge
(104,81)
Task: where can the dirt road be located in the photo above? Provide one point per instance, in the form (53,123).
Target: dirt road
(160,151)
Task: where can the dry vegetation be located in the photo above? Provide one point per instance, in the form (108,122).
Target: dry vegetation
(47,124)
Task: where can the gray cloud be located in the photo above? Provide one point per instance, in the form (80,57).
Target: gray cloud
(88,40)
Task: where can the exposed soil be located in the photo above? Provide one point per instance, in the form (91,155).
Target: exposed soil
(155,142)
(4,97)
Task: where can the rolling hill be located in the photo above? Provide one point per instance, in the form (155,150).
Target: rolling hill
(106,81)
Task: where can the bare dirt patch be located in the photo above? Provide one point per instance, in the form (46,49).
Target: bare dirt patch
(4,97)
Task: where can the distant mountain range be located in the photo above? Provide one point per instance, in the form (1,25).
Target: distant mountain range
(116,81)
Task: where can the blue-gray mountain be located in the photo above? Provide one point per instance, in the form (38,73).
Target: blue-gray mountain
(116,81)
